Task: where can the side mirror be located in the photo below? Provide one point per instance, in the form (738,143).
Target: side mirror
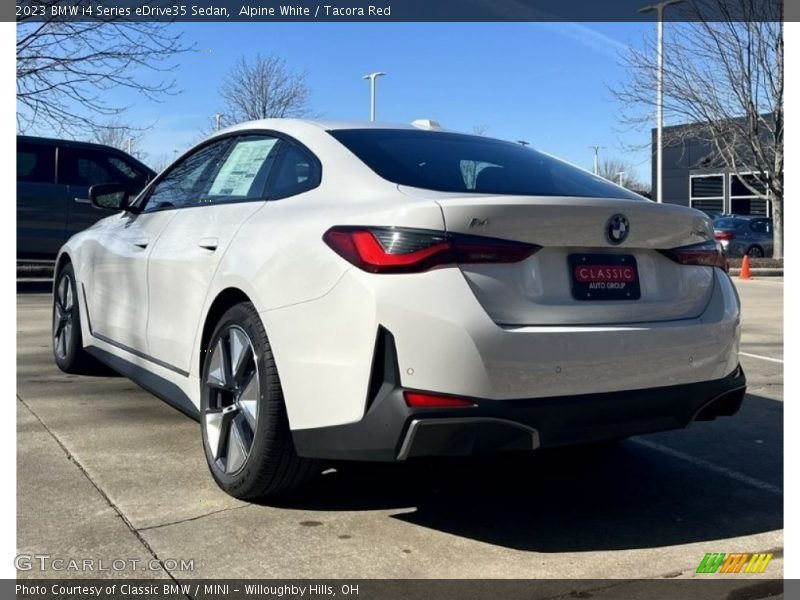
(110,196)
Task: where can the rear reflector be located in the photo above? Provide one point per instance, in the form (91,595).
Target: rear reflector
(400,250)
(423,400)
(705,254)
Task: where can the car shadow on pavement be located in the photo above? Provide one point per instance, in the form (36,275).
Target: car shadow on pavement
(713,481)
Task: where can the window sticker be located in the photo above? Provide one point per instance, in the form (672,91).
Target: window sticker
(236,176)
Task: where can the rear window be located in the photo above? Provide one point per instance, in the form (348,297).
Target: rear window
(453,162)
(728,223)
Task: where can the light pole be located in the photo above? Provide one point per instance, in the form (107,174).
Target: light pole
(372,77)
(659,8)
(620,175)
(217,120)
(596,158)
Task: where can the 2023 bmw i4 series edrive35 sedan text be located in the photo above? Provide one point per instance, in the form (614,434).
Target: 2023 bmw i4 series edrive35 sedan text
(323,290)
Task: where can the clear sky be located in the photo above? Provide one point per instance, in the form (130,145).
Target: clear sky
(547,83)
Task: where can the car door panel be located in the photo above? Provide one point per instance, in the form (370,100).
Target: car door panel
(41,220)
(185,258)
(41,202)
(182,264)
(118,294)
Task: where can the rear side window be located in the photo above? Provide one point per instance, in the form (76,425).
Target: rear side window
(88,166)
(453,162)
(36,163)
(760,226)
(297,172)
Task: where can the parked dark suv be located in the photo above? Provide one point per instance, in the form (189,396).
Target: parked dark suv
(53,180)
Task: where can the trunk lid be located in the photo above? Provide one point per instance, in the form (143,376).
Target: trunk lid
(541,290)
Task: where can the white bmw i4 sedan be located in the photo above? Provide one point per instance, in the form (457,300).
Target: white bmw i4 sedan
(313,290)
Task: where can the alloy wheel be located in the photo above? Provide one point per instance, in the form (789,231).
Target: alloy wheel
(62,317)
(233,389)
(755,252)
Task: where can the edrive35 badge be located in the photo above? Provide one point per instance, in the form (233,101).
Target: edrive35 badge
(617,228)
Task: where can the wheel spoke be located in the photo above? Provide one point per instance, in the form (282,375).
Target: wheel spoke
(66,335)
(68,296)
(249,401)
(58,322)
(62,344)
(237,448)
(238,354)
(217,373)
(217,426)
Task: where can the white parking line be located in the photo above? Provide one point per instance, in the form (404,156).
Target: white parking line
(775,360)
(699,462)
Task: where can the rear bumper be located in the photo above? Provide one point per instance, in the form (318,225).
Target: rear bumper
(391,431)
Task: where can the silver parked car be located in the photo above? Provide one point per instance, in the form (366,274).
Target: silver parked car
(740,235)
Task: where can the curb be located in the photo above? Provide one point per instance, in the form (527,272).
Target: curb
(758,272)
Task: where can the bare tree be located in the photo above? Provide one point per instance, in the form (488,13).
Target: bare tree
(66,68)
(622,173)
(117,134)
(723,77)
(263,88)
(162,161)
(470,168)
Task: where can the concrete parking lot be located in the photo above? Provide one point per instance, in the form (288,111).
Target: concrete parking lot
(105,471)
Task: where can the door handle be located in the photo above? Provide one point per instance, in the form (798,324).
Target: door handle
(82,200)
(141,243)
(209,243)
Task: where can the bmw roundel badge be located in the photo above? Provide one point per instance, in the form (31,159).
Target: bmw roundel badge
(617,228)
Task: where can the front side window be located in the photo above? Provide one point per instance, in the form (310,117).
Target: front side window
(36,163)
(127,169)
(454,162)
(228,170)
(179,186)
(87,167)
(244,171)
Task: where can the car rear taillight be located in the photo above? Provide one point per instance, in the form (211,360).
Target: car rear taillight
(705,254)
(724,235)
(398,250)
(427,400)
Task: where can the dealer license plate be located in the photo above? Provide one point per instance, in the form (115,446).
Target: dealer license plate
(604,277)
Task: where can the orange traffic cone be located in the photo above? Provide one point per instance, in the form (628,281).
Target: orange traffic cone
(745,272)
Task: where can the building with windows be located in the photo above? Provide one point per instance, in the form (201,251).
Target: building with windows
(694,176)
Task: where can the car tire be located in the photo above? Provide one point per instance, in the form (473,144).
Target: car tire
(755,252)
(246,437)
(68,351)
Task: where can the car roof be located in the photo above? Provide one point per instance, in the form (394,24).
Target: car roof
(327,124)
(78,144)
(292,126)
